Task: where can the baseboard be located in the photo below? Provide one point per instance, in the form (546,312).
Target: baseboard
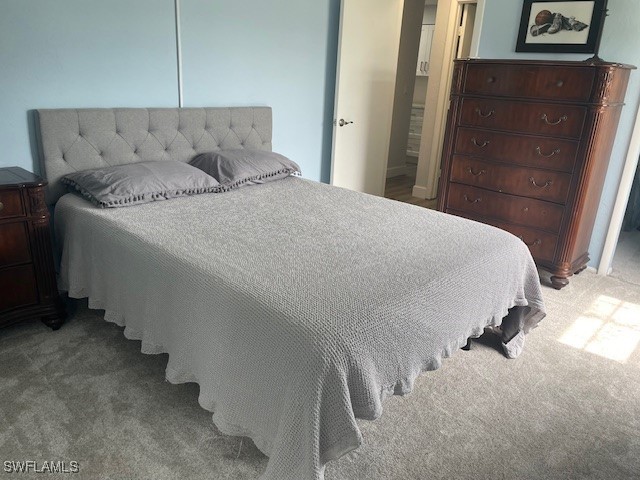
(397,171)
(420,192)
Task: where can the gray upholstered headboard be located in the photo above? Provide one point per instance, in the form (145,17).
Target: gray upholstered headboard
(80,139)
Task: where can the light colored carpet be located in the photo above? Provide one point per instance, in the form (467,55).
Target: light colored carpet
(568,408)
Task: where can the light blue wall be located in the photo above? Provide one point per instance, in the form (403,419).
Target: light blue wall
(280,53)
(108,53)
(620,43)
(80,53)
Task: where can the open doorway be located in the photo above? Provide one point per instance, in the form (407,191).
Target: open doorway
(422,89)
(626,260)
(621,253)
(418,26)
(625,264)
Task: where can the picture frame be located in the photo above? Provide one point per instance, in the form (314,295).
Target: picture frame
(567,26)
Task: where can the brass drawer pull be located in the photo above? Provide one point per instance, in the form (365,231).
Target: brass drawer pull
(539,151)
(1,206)
(546,185)
(479,199)
(470,170)
(537,241)
(483,144)
(484,115)
(560,120)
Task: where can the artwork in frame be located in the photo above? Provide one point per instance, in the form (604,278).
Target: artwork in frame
(569,26)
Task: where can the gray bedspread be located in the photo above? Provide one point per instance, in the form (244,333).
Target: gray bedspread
(296,306)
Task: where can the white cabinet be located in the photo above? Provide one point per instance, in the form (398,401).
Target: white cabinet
(426,37)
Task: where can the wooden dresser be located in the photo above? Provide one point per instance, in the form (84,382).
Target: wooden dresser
(526,149)
(27,279)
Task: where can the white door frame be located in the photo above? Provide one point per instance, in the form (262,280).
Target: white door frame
(442,54)
(622,198)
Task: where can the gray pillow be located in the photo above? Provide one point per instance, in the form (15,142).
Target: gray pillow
(235,168)
(143,182)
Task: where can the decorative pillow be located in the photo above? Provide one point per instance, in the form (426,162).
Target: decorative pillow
(143,182)
(235,168)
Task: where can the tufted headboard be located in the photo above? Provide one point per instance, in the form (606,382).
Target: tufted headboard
(81,139)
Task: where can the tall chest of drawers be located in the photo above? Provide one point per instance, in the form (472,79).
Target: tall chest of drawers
(527,148)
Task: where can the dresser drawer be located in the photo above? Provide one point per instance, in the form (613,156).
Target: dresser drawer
(11,203)
(501,206)
(526,182)
(18,287)
(530,151)
(533,118)
(542,245)
(14,244)
(531,81)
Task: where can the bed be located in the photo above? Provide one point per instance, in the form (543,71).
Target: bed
(296,306)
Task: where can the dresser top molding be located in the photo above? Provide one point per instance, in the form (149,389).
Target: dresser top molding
(554,81)
(551,63)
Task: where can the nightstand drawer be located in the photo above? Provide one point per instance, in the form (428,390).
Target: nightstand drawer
(529,182)
(532,118)
(501,206)
(17,287)
(14,244)
(533,81)
(11,203)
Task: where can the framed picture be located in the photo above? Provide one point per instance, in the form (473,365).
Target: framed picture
(569,26)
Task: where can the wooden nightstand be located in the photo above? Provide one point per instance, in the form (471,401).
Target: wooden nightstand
(27,279)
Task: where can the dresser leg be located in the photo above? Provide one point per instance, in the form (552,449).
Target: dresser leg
(559,282)
(580,269)
(55,320)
